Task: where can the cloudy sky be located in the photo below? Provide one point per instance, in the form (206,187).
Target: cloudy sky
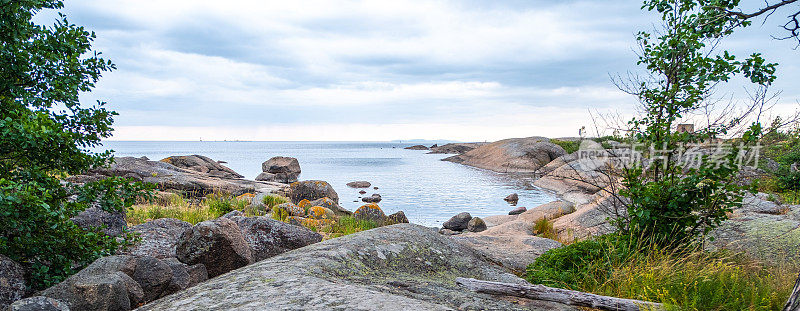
(375,70)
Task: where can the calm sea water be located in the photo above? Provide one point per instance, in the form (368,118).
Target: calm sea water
(428,190)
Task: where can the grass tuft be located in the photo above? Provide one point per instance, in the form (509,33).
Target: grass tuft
(272,200)
(569,146)
(687,279)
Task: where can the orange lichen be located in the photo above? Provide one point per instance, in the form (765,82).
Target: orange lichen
(246,196)
(304,203)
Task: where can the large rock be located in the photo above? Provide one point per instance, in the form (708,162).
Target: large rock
(158,237)
(371,212)
(416,147)
(330,204)
(38,303)
(202,164)
(268,237)
(458,222)
(169,177)
(280,169)
(183,276)
(312,190)
(101,284)
(759,231)
(153,275)
(12,282)
(112,224)
(514,155)
(113,283)
(399,267)
(218,244)
(455,148)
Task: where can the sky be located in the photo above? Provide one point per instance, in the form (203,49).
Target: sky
(377,70)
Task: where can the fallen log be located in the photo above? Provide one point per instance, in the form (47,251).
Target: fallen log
(793,304)
(565,296)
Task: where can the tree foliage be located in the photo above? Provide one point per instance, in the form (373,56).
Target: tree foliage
(45,135)
(667,198)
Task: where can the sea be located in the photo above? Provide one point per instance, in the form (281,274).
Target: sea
(429,191)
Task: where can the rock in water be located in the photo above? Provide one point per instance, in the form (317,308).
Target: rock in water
(458,222)
(94,217)
(416,147)
(512,198)
(397,218)
(312,190)
(218,244)
(280,169)
(476,224)
(374,198)
(12,282)
(359,184)
(38,303)
(268,237)
(159,237)
(518,210)
(202,164)
(400,267)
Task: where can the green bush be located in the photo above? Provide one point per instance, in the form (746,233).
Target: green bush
(569,146)
(574,265)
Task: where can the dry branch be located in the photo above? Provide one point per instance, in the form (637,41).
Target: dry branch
(565,296)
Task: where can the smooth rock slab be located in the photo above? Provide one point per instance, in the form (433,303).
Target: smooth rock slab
(398,267)
(38,303)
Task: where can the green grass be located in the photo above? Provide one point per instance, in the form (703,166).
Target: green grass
(175,206)
(569,146)
(544,228)
(271,200)
(687,280)
(347,225)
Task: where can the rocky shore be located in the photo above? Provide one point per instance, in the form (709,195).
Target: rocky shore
(236,262)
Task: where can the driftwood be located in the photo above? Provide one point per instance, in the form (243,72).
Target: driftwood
(794,300)
(565,296)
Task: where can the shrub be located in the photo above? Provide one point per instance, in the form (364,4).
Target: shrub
(574,265)
(569,146)
(544,228)
(271,200)
(221,203)
(280,213)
